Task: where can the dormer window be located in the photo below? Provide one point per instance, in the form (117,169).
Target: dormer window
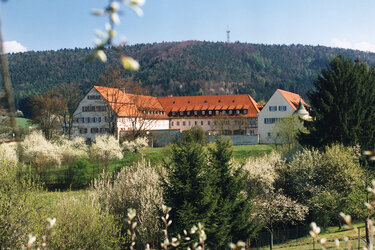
(224,112)
(203,112)
(237,111)
(230,112)
(188,112)
(210,112)
(195,112)
(181,113)
(245,111)
(173,113)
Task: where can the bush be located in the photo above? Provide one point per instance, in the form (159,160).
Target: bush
(73,149)
(195,134)
(105,149)
(135,145)
(135,187)
(8,154)
(328,182)
(80,225)
(39,153)
(81,172)
(20,213)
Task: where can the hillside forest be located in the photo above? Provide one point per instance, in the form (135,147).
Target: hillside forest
(183,68)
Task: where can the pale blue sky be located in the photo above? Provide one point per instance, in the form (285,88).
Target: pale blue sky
(56,24)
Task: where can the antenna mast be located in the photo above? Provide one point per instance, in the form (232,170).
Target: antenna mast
(228,31)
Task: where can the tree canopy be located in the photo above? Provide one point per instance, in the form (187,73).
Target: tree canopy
(343,105)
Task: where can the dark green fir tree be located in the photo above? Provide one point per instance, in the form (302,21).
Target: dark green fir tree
(232,216)
(343,105)
(189,189)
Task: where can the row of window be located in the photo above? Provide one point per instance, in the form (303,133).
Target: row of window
(270,120)
(274,108)
(93,108)
(210,112)
(184,123)
(93,97)
(91,119)
(94,130)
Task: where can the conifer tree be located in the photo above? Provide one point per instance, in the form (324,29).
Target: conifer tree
(232,216)
(343,105)
(189,188)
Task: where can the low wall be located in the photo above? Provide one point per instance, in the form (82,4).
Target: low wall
(161,138)
(238,139)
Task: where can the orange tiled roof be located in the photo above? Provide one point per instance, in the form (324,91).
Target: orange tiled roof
(213,102)
(292,98)
(132,105)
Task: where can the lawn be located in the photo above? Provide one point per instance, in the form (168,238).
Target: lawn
(330,234)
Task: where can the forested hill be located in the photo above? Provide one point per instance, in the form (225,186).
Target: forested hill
(185,68)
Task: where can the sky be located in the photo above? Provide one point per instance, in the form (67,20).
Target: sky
(56,24)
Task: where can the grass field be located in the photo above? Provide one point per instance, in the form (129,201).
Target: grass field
(331,233)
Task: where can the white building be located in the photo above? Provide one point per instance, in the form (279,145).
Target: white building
(281,104)
(103,108)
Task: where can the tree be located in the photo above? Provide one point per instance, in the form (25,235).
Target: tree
(343,105)
(188,188)
(210,192)
(286,130)
(47,112)
(71,96)
(232,216)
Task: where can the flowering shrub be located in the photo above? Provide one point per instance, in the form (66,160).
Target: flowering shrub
(72,149)
(39,152)
(133,187)
(105,149)
(8,154)
(135,145)
(262,172)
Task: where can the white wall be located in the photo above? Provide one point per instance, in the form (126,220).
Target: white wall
(126,123)
(265,129)
(85,114)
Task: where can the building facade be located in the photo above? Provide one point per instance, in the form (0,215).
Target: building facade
(281,104)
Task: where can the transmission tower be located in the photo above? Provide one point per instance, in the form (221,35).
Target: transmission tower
(228,31)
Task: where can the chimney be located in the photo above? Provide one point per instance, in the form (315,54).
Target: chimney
(124,90)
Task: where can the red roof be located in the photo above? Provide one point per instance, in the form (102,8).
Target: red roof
(125,104)
(158,107)
(213,102)
(292,98)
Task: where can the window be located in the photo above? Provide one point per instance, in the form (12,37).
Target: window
(224,112)
(189,123)
(183,123)
(104,130)
(272,108)
(178,123)
(245,111)
(93,97)
(202,123)
(173,113)
(210,112)
(270,120)
(282,108)
(83,130)
(196,123)
(188,112)
(217,112)
(93,119)
(181,113)
(172,123)
(87,119)
(94,130)
(99,119)
(195,112)
(208,122)
(251,132)
(269,134)
(203,112)
(230,112)
(92,108)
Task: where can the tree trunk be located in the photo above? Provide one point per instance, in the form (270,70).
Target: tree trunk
(271,240)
